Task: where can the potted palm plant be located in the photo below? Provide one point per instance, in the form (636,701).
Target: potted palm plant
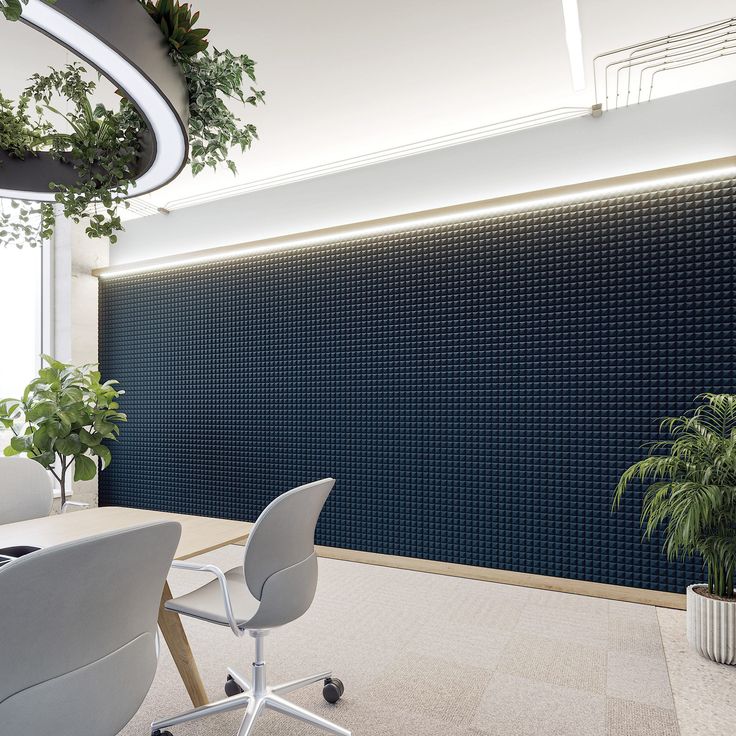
(692,495)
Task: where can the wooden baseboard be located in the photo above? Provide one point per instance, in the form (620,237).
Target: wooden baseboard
(508,577)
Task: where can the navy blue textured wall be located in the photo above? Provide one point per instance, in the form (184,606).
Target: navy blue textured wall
(475,388)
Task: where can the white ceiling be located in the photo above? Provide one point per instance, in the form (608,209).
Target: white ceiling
(345,79)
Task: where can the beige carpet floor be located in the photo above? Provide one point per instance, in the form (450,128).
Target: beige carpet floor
(427,655)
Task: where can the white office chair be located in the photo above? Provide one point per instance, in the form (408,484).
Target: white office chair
(274,586)
(78,632)
(27,491)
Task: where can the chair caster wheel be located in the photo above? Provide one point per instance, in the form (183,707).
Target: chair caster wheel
(231,688)
(333,690)
(162,733)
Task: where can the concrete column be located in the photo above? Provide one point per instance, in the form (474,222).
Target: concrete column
(74,334)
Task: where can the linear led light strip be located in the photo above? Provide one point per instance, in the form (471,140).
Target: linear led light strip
(170,143)
(678,175)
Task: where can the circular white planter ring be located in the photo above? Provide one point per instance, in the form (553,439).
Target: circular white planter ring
(121,41)
(711,626)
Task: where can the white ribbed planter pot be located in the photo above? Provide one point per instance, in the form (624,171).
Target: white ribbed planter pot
(711,626)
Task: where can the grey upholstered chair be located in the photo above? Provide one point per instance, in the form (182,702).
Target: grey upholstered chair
(26,490)
(274,586)
(78,636)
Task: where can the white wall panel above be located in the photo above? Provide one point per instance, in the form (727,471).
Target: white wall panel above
(685,128)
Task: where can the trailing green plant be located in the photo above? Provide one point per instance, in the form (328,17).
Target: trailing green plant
(692,488)
(214,130)
(177,23)
(62,419)
(12,9)
(213,78)
(19,133)
(22,135)
(25,223)
(104,145)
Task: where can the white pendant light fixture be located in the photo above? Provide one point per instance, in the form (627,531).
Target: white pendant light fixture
(118,38)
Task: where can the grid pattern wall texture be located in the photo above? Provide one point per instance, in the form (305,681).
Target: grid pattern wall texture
(475,388)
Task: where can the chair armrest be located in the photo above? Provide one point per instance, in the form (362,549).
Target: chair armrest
(220,575)
(75,504)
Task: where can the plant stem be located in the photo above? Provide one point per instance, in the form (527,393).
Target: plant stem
(720,580)
(62,481)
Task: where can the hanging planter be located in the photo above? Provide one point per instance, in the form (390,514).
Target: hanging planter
(119,40)
(173,91)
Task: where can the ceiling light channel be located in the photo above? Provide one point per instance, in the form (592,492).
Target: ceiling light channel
(574,39)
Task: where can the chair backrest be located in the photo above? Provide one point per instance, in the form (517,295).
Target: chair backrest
(279,561)
(26,490)
(78,632)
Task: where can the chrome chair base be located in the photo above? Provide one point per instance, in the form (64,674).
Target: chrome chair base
(257,696)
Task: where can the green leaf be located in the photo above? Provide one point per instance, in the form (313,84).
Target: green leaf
(12,10)
(69,445)
(84,468)
(22,444)
(102,427)
(45,458)
(41,439)
(104,453)
(65,419)
(72,394)
(55,364)
(9,451)
(42,410)
(89,439)
(54,429)
(49,374)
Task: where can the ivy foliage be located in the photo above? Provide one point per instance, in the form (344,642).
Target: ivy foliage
(20,134)
(214,78)
(25,223)
(102,145)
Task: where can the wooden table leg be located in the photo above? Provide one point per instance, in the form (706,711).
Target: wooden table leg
(173,631)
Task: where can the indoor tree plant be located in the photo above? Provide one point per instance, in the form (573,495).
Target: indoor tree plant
(692,495)
(62,419)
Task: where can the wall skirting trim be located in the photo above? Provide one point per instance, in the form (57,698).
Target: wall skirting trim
(509,577)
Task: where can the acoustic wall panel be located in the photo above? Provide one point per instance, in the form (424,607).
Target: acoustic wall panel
(475,388)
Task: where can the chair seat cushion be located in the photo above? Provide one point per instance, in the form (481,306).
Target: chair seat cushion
(207,602)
